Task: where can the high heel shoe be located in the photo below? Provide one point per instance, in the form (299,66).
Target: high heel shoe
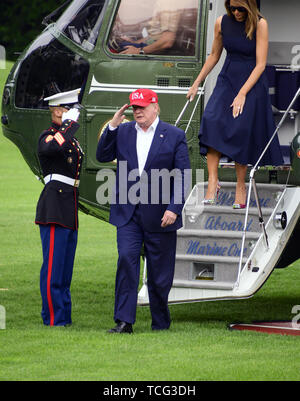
(213,201)
(239,205)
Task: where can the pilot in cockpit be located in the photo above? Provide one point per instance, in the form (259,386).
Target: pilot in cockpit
(158,34)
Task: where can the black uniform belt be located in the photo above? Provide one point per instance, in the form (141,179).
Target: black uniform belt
(61,178)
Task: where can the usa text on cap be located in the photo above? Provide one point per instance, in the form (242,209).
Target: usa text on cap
(63,98)
(143,97)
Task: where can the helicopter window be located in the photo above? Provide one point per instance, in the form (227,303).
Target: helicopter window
(48,68)
(166,27)
(81,22)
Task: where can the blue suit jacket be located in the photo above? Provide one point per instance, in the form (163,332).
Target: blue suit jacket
(168,151)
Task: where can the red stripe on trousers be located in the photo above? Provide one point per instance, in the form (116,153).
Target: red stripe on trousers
(50,264)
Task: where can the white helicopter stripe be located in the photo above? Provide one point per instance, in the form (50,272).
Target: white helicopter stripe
(102,87)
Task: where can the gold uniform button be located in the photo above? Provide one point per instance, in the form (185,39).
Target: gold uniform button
(60,190)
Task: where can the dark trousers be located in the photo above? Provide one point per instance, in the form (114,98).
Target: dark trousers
(59,246)
(160,250)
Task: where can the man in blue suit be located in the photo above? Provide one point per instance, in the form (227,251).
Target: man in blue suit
(147,210)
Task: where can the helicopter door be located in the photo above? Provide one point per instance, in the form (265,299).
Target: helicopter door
(283,67)
(154,44)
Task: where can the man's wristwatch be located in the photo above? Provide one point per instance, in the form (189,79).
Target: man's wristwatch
(142,51)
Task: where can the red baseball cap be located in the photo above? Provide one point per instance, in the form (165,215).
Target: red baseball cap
(143,97)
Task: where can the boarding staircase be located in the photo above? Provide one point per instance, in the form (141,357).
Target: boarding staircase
(209,244)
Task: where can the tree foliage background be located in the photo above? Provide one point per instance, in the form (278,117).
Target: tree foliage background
(21,22)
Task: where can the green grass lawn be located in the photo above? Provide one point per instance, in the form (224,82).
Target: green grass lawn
(198,345)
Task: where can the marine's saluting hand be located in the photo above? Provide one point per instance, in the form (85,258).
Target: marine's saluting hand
(72,114)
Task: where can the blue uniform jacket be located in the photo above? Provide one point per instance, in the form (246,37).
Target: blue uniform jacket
(59,152)
(168,151)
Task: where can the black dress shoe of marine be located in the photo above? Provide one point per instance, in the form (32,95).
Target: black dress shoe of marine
(122,327)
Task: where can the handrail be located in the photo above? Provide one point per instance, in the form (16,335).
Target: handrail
(277,129)
(253,183)
(201,92)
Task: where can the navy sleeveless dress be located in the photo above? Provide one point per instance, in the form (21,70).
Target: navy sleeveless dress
(244,138)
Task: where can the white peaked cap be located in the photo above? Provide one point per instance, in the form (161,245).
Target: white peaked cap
(62,98)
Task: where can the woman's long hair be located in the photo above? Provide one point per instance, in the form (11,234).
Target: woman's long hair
(253,15)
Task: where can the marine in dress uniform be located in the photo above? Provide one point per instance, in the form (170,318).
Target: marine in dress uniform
(60,157)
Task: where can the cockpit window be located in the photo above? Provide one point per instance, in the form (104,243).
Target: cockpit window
(48,68)
(166,27)
(81,22)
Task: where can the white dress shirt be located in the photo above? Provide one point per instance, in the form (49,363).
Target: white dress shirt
(143,142)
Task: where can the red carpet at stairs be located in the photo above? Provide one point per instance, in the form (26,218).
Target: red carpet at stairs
(284,328)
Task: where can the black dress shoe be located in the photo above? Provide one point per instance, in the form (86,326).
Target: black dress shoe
(122,327)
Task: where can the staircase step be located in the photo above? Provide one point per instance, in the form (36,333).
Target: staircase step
(206,269)
(205,284)
(223,218)
(268,194)
(209,259)
(187,232)
(213,243)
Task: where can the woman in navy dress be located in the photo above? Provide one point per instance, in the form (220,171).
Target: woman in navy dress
(238,120)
